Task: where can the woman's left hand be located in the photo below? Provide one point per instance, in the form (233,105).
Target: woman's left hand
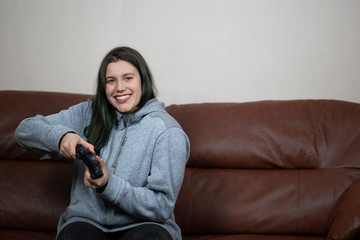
(100,182)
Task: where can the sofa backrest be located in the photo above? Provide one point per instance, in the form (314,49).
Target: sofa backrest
(273,167)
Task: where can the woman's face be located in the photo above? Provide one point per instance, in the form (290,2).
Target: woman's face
(123,86)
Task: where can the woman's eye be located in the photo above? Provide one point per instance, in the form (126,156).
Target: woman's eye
(109,81)
(128,78)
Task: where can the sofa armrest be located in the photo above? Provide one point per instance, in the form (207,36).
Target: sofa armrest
(345,221)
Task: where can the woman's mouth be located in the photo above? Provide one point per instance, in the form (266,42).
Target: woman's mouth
(123,98)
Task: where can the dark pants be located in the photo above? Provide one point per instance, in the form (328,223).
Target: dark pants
(86,231)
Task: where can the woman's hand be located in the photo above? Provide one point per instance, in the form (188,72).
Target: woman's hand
(68,145)
(100,182)
(68,150)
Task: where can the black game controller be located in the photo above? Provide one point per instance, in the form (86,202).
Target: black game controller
(90,161)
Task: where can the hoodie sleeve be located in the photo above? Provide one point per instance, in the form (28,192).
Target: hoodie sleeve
(41,134)
(155,201)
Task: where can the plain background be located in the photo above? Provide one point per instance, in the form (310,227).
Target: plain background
(198,50)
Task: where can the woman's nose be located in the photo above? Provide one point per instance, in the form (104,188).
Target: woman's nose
(120,87)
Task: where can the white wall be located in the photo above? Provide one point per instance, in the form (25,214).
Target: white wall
(198,50)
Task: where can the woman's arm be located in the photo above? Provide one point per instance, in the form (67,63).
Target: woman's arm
(155,201)
(42,134)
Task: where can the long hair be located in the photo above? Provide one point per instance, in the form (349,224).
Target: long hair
(104,114)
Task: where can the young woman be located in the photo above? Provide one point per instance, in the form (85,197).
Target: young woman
(142,152)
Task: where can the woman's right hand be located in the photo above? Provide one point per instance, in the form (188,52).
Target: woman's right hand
(68,145)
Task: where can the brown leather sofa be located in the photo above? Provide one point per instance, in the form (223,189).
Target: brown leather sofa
(269,170)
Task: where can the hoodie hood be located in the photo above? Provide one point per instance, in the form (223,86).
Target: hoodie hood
(125,120)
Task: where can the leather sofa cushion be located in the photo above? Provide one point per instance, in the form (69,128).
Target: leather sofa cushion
(346,217)
(33,193)
(292,202)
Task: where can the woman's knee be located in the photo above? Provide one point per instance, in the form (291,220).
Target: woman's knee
(81,231)
(146,231)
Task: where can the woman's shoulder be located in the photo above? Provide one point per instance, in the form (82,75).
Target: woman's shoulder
(166,118)
(85,106)
(81,110)
(155,113)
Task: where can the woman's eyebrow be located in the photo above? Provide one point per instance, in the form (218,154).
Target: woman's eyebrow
(130,73)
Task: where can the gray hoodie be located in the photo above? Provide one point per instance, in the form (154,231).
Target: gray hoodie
(146,156)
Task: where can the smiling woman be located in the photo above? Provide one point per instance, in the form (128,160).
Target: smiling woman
(135,197)
(103,121)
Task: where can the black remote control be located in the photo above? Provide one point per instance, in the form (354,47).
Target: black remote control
(90,161)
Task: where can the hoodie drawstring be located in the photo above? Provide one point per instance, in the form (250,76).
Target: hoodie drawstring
(123,139)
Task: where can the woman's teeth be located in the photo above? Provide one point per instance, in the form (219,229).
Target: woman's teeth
(122,97)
